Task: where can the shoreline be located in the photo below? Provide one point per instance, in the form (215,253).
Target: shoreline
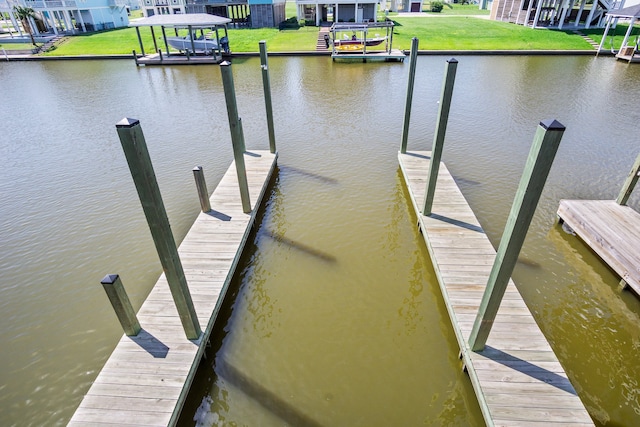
(27,57)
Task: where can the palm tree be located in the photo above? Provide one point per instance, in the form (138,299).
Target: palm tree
(24,13)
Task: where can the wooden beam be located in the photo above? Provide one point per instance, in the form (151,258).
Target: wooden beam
(629,183)
(407,107)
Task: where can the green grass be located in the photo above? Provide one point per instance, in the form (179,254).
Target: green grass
(16,46)
(452,33)
(617,34)
(456,9)
(468,33)
(246,40)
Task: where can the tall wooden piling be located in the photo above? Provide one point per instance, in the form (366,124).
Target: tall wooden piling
(629,184)
(121,304)
(201,185)
(441,129)
(543,151)
(407,107)
(135,150)
(266,83)
(237,138)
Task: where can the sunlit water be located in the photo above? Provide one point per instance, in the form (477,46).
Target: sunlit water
(338,319)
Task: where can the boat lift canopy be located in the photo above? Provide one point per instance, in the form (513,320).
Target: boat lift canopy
(191,21)
(363,29)
(632,13)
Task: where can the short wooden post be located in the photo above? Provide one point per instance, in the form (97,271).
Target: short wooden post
(186,51)
(144,178)
(438,137)
(407,107)
(121,304)
(235,125)
(135,58)
(543,150)
(629,184)
(160,54)
(201,184)
(266,83)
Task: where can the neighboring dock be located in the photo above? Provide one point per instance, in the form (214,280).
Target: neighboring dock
(610,228)
(517,378)
(147,377)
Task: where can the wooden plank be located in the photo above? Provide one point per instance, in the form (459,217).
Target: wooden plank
(518,360)
(611,230)
(147,377)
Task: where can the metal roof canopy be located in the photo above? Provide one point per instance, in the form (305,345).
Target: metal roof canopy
(627,12)
(352,26)
(194,20)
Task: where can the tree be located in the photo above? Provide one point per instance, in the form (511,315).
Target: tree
(24,13)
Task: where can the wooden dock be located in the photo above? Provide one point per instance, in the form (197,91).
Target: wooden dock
(517,378)
(611,230)
(147,377)
(394,55)
(177,59)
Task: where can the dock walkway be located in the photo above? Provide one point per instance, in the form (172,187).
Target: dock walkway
(611,230)
(147,377)
(517,378)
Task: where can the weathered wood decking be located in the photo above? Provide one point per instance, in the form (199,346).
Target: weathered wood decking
(517,378)
(147,377)
(611,230)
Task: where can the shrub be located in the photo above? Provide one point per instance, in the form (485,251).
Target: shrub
(436,6)
(289,24)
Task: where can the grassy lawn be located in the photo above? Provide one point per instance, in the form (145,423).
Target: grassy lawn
(617,34)
(16,46)
(451,33)
(468,33)
(456,9)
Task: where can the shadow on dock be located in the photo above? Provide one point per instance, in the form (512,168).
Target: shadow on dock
(150,344)
(528,368)
(266,398)
(219,215)
(457,223)
(300,246)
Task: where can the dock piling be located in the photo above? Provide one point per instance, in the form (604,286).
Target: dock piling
(135,58)
(438,137)
(543,150)
(137,154)
(201,185)
(407,108)
(266,83)
(629,183)
(160,54)
(237,139)
(121,304)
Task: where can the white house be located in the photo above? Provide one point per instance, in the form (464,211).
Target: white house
(68,16)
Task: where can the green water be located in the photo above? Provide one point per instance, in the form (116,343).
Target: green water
(337,319)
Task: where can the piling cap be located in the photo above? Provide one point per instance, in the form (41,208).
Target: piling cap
(127,123)
(109,279)
(225,63)
(552,124)
(452,61)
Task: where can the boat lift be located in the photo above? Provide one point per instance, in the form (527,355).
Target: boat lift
(351,40)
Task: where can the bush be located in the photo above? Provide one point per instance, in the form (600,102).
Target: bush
(436,6)
(289,24)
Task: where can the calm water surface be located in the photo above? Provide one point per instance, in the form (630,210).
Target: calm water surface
(338,319)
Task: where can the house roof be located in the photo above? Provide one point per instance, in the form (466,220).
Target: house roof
(181,20)
(627,12)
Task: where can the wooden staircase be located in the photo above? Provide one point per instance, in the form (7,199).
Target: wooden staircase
(321,45)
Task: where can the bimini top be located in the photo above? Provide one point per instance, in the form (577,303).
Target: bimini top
(627,12)
(198,20)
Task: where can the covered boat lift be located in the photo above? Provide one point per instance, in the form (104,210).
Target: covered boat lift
(192,22)
(627,52)
(352,41)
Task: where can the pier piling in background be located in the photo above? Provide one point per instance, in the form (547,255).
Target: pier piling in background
(407,108)
(266,83)
(201,185)
(629,183)
(121,304)
(137,154)
(237,138)
(543,151)
(441,129)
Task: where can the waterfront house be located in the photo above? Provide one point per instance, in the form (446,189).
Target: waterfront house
(243,13)
(554,14)
(68,16)
(316,12)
